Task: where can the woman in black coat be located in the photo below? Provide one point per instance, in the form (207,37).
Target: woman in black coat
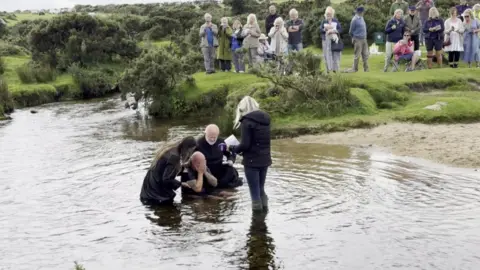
(255,148)
(160,184)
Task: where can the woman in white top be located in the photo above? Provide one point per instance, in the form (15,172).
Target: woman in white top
(454,35)
(279,36)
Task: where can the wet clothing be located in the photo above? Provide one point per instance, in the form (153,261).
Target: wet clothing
(226,175)
(159,184)
(255,140)
(191,174)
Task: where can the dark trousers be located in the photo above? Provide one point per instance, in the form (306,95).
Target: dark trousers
(150,202)
(225,65)
(453,58)
(256,181)
(416,42)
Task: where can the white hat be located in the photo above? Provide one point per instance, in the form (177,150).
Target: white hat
(262,36)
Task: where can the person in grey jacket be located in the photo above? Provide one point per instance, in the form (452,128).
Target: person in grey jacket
(209,43)
(358,32)
(251,32)
(413,24)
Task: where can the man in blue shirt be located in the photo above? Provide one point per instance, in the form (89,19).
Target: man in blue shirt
(358,32)
(209,43)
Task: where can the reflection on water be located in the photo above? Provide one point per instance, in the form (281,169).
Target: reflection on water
(70,178)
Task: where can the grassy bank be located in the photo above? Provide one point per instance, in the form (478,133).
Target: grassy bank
(384,97)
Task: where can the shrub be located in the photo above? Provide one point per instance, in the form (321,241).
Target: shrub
(92,83)
(2,66)
(8,49)
(32,72)
(6,101)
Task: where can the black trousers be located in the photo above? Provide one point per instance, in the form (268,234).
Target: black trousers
(225,65)
(453,57)
(416,42)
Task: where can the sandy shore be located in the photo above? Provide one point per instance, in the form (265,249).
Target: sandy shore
(457,144)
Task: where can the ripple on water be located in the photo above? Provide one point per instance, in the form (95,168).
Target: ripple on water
(73,172)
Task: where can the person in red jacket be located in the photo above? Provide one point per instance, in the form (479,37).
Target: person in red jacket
(404,50)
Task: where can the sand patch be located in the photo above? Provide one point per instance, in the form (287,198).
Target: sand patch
(456,144)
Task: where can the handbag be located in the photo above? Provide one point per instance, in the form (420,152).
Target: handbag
(337,46)
(447,41)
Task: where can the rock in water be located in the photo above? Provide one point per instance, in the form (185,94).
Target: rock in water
(33,111)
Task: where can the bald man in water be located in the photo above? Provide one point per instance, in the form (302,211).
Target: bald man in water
(214,149)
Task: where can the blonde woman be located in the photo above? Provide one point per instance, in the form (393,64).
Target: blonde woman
(279,36)
(255,148)
(237,40)
(454,35)
(251,32)
(160,184)
(470,39)
(394,29)
(330,29)
(476,11)
(224,52)
(433,29)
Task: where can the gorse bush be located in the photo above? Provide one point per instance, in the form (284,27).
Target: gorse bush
(32,72)
(2,66)
(8,49)
(92,82)
(6,102)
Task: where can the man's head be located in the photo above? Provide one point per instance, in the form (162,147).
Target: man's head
(293,14)
(208,17)
(197,160)
(360,11)
(211,133)
(272,9)
(412,10)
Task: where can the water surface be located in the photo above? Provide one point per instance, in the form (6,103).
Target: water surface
(70,177)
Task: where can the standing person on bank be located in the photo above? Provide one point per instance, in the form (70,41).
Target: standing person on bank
(294,28)
(433,29)
(160,184)
(209,43)
(224,51)
(358,32)
(423,7)
(255,148)
(413,24)
(394,29)
(398,4)
(454,37)
(270,20)
(330,28)
(251,32)
(237,40)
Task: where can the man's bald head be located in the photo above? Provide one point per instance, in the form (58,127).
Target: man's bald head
(211,133)
(197,160)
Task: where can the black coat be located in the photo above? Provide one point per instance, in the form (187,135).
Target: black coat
(213,154)
(160,184)
(255,140)
(269,22)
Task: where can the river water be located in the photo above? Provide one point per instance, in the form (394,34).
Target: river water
(70,178)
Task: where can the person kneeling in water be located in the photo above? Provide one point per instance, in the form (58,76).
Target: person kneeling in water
(214,148)
(160,184)
(197,181)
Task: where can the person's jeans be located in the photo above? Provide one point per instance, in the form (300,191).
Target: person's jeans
(256,182)
(295,47)
(225,65)
(238,61)
(209,54)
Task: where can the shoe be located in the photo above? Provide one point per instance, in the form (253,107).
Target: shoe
(241,71)
(257,206)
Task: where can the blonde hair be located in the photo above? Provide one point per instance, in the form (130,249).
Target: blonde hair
(452,10)
(476,7)
(207,15)
(469,12)
(433,13)
(252,16)
(237,24)
(224,19)
(278,21)
(293,12)
(398,11)
(245,106)
(329,9)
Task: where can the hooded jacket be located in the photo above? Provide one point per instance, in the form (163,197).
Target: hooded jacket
(213,154)
(255,140)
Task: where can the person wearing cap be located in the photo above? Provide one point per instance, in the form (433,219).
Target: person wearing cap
(412,24)
(454,37)
(358,32)
(423,7)
(398,4)
(394,29)
(263,50)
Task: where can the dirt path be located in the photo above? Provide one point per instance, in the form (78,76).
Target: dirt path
(457,144)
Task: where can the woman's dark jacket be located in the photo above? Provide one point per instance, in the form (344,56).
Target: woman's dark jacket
(430,23)
(394,35)
(255,140)
(160,183)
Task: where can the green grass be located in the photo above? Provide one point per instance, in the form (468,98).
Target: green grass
(157,43)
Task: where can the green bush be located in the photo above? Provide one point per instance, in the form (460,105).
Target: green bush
(92,83)
(8,49)
(6,101)
(32,72)
(2,66)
